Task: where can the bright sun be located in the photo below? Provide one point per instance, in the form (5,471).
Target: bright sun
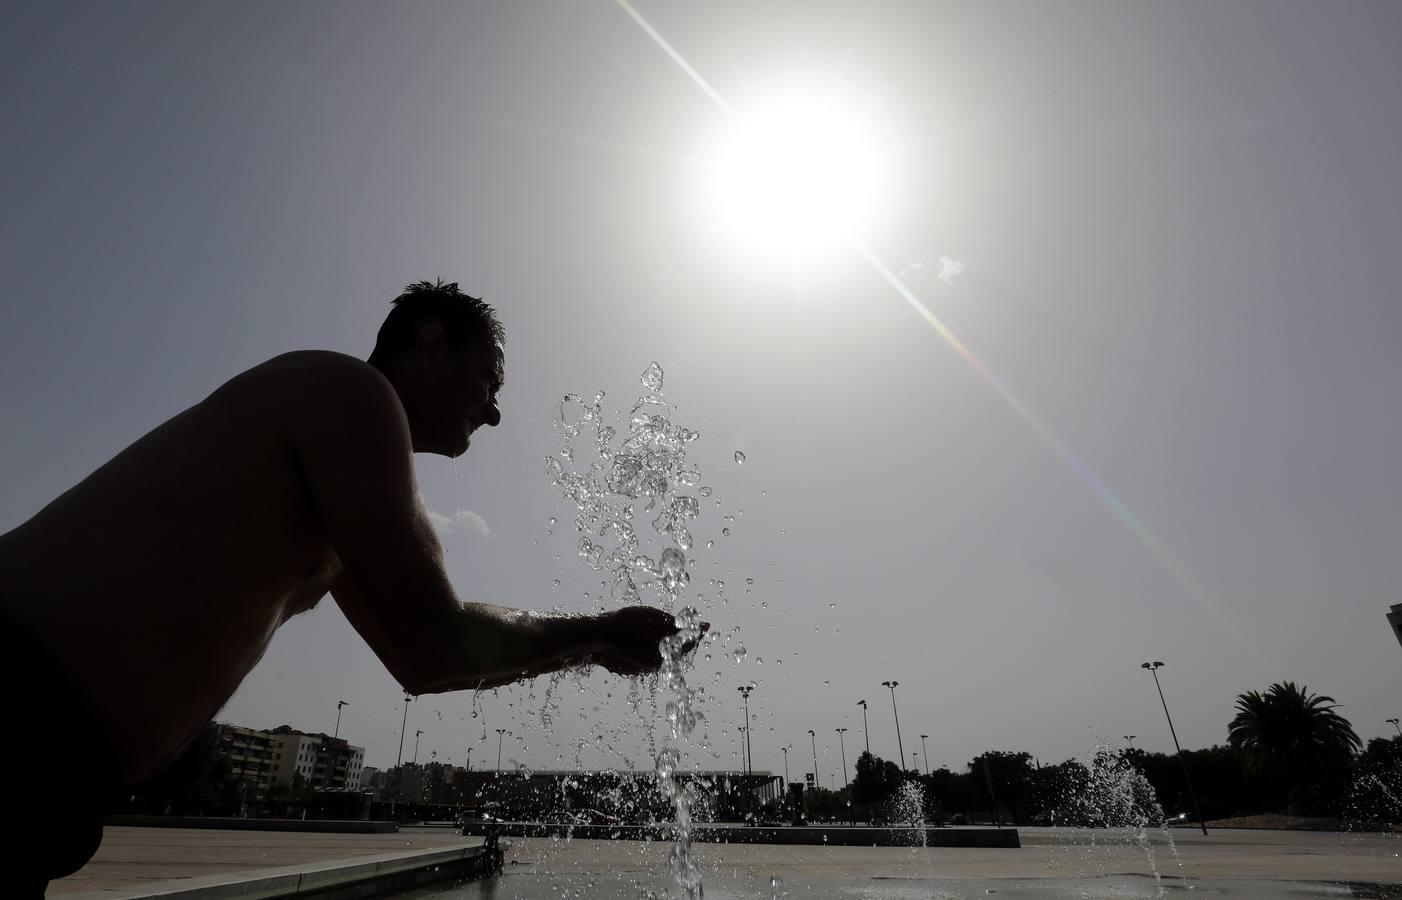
(795,176)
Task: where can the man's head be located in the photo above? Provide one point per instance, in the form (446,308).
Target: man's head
(442,351)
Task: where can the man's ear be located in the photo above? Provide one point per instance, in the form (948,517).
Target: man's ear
(432,342)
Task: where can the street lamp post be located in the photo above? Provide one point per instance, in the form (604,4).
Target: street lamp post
(744,754)
(1393,723)
(500,732)
(925,752)
(899,747)
(399,760)
(1129,739)
(814,739)
(469,759)
(402,725)
(749,749)
(841,742)
(339,704)
(1154,671)
(786,766)
(866,733)
(418,734)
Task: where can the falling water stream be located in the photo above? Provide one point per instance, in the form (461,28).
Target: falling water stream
(616,480)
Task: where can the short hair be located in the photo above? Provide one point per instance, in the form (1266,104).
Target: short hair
(465,320)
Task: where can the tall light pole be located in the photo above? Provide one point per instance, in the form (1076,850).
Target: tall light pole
(469,758)
(786,766)
(339,704)
(814,739)
(402,725)
(843,744)
(1153,668)
(1393,723)
(744,754)
(418,734)
(1129,739)
(749,749)
(899,747)
(500,732)
(866,732)
(925,752)
(399,760)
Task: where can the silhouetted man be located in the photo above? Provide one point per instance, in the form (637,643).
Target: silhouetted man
(134,604)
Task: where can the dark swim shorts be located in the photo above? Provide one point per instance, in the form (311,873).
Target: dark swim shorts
(59,774)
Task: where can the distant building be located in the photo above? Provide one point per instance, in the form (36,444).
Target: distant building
(324,762)
(250,755)
(1394,619)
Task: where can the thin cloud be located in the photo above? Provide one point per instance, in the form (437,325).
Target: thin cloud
(950,269)
(464,521)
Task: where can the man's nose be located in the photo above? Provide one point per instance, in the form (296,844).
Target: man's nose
(493,416)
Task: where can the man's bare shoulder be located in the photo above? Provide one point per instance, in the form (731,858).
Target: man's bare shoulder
(301,364)
(313,384)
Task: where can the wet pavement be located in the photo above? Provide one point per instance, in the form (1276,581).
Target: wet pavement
(1052,863)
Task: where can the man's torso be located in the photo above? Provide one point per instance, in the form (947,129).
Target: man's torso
(156,583)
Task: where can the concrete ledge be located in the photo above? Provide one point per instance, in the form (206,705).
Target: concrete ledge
(364,877)
(830,835)
(327,826)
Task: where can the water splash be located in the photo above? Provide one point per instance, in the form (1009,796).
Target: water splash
(618,478)
(1110,791)
(908,808)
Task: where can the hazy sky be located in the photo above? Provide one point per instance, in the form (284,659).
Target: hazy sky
(1179,229)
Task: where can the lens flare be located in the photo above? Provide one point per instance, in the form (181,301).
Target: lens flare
(782,147)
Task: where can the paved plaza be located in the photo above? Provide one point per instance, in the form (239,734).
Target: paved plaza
(131,859)
(1051,862)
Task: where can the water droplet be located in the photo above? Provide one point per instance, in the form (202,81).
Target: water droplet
(740,456)
(705,491)
(725,531)
(652,377)
(739,653)
(672,567)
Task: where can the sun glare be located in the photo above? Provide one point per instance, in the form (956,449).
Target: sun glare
(795,175)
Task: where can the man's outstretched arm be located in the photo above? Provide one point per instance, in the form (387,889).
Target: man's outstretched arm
(354,446)
(489,646)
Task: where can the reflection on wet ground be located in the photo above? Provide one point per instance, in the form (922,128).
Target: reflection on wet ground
(1080,863)
(733,886)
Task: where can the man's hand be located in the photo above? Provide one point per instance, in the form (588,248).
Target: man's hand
(628,639)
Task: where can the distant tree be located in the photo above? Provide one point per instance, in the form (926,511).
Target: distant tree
(1294,733)
(1382,755)
(876,783)
(200,782)
(1011,776)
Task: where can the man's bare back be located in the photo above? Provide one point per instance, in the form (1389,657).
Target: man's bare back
(156,583)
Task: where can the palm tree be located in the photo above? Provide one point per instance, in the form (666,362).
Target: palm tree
(1292,732)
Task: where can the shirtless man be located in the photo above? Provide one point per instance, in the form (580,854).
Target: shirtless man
(133,605)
